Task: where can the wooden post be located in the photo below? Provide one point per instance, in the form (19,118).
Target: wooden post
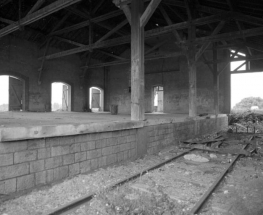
(137,61)
(192,72)
(215,80)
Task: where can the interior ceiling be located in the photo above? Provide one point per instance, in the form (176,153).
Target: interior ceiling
(40,31)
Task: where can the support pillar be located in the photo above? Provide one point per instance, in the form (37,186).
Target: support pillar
(215,81)
(137,61)
(192,71)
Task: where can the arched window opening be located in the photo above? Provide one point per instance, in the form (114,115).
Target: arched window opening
(61,97)
(12,93)
(158,99)
(96,99)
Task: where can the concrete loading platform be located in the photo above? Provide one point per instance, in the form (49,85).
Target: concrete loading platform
(41,148)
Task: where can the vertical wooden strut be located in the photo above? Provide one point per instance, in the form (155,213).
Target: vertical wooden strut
(215,80)
(137,61)
(192,71)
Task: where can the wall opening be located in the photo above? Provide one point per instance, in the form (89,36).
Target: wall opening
(61,97)
(12,93)
(158,99)
(96,99)
(246,88)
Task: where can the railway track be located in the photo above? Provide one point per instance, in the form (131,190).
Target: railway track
(195,209)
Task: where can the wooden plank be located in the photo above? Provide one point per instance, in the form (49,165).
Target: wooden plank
(137,61)
(86,23)
(149,12)
(36,6)
(52,8)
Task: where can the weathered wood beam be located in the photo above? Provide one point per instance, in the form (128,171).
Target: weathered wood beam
(125,8)
(86,23)
(36,6)
(248,58)
(111,55)
(215,81)
(246,71)
(148,58)
(155,47)
(98,5)
(40,70)
(119,26)
(52,8)
(126,39)
(137,59)
(207,44)
(68,41)
(149,12)
(77,12)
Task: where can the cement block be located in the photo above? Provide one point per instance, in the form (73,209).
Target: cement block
(41,177)
(11,147)
(74,169)
(8,186)
(59,150)
(81,156)
(85,166)
(102,161)
(116,134)
(93,154)
(94,163)
(115,149)
(68,159)
(53,162)
(120,156)
(88,146)
(25,182)
(107,150)
(36,143)
(44,153)
(61,173)
(67,140)
(37,166)
(111,159)
(125,155)
(125,132)
(24,156)
(133,131)
(13,171)
(53,141)
(6,159)
(131,138)
(82,138)
(112,141)
(122,140)
(101,143)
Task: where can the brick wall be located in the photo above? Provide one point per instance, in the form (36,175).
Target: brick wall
(27,164)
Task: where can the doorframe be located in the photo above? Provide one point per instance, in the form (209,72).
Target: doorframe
(152,93)
(70,93)
(101,96)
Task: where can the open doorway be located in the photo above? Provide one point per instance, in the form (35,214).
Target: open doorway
(61,97)
(12,93)
(96,99)
(158,99)
(246,87)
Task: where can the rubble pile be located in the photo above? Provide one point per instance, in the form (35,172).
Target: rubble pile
(249,122)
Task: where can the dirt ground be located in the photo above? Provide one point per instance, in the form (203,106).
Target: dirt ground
(172,189)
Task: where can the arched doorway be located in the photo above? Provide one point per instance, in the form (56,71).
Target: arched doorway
(60,96)
(96,99)
(12,93)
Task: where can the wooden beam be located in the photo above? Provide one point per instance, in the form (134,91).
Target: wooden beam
(149,12)
(236,69)
(248,58)
(207,44)
(86,23)
(68,41)
(36,6)
(52,8)
(77,12)
(137,59)
(111,55)
(40,70)
(215,81)
(155,47)
(246,71)
(98,5)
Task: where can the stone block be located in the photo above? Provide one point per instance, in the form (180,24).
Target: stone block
(25,182)
(132,131)
(131,138)
(94,163)
(59,150)
(68,159)
(13,171)
(52,141)
(111,159)
(122,140)
(116,134)
(107,150)
(93,154)
(125,132)
(50,175)
(74,169)
(24,156)
(6,159)
(37,166)
(11,147)
(125,155)
(85,166)
(102,161)
(53,162)
(81,156)
(88,146)
(67,140)
(115,149)
(60,173)
(112,141)
(36,144)
(133,145)
(101,143)
(81,138)
(120,156)
(41,177)
(8,186)
(74,148)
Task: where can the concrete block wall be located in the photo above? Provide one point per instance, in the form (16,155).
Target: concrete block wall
(27,164)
